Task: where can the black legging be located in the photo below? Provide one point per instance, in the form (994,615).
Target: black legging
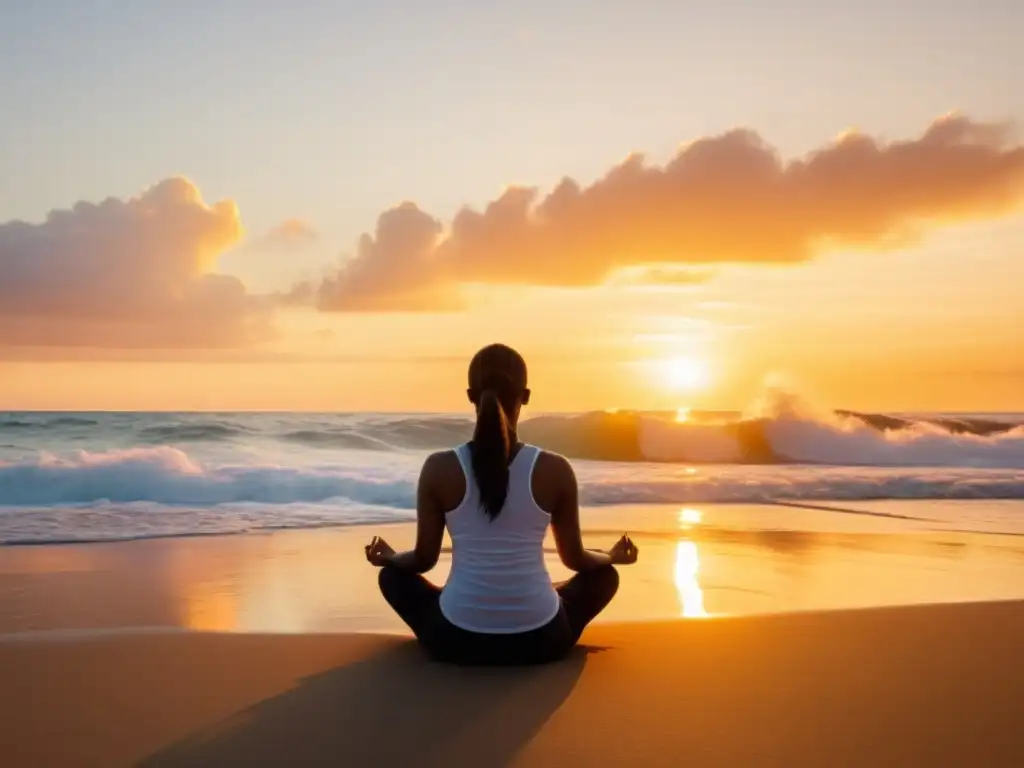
(417,602)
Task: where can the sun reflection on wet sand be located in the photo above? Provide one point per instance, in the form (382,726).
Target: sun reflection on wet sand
(691,596)
(689,517)
(210,608)
(687,566)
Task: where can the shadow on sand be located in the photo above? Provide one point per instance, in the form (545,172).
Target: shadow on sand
(394,708)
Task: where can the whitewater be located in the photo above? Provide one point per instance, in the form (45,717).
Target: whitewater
(77,477)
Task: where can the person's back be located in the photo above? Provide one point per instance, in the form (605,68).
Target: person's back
(499,583)
(497,498)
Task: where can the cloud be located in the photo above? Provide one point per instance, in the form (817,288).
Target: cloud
(728,198)
(668,275)
(127,273)
(289,234)
(396,268)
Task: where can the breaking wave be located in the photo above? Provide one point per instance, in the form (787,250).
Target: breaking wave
(143,475)
(170,476)
(782,429)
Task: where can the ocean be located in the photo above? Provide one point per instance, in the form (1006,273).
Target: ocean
(85,476)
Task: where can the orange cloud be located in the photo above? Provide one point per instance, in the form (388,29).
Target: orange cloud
(395,268)
(290,233)
(661,275)
(722,199)
(130,274)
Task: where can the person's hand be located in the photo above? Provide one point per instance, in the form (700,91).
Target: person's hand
(379,552)
(624,552)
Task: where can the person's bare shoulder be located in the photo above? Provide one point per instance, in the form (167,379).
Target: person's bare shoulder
(441,463)
(553,464)
(553,476)
(443,477)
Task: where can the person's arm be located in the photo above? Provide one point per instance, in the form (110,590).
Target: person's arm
(565,521)
(429,522)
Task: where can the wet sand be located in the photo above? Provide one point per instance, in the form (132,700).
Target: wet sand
(695,561)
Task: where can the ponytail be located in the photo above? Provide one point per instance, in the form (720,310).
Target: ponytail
(491,450)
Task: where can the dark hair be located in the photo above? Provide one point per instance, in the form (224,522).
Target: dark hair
(497,386)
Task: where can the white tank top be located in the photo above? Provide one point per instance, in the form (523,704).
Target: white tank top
(498,582)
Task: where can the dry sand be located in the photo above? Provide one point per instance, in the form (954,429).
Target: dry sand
(914,686)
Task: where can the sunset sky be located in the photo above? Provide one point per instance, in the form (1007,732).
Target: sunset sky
(330,206)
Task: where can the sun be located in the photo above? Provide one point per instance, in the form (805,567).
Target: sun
(687,373)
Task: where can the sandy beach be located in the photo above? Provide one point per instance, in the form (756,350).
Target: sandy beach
(746,635)
(912,686)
